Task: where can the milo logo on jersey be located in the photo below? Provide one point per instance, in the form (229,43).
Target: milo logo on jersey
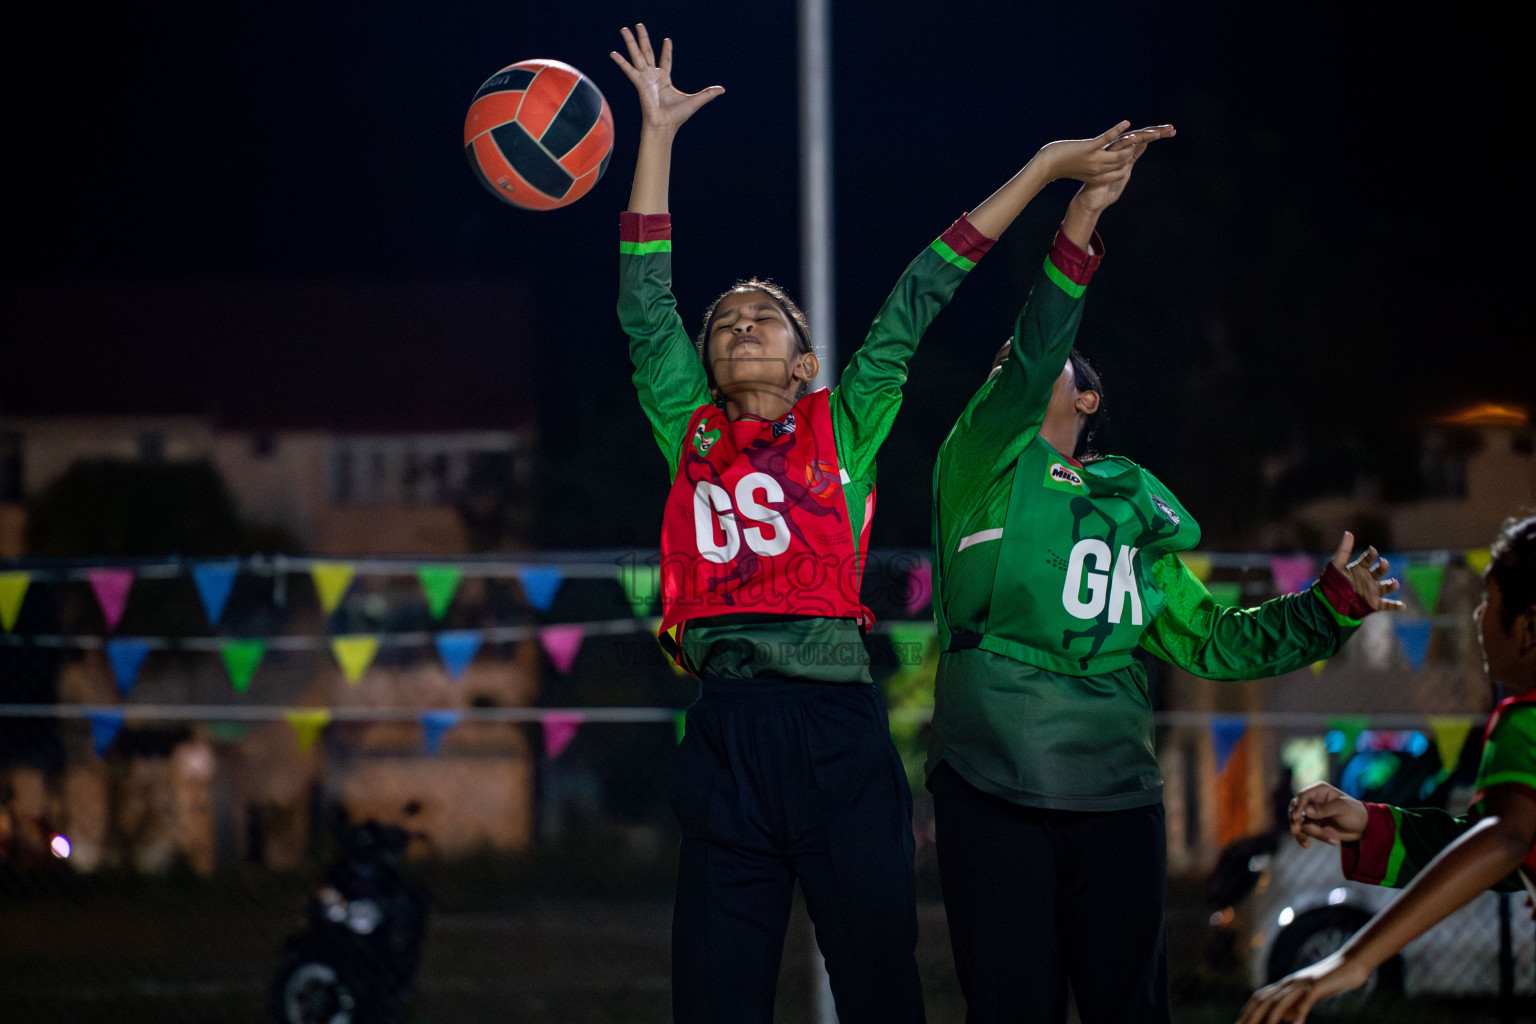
(1061,477)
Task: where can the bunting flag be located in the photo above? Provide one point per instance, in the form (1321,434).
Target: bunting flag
(331,582)
(13,588)
(308,724)
(435,725)
(111,587)
(1228,595)
(559,729)
(909,640)
(1198,565)
(1226,730)
(439,583)
(105,725)
(1450,736)
(1478,559)
(354,654)
(127,656)
(227,732)
(1425,581)
(1349,728)
(642,585)
(919,588)
(540,585)
(240,660)
(1292,573)
(680,724)
(1413,634)
(215,582)
(562,643)
(1318,666)
(457,648)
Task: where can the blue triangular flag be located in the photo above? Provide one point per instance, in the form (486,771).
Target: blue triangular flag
(214,582)
(127,656)
(540,585)
(105,725)
(434,724)
(1413,634)
(1226,730)
(457,648)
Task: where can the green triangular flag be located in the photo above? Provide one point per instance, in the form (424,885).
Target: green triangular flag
(1228,595)
(1425,581)
(439,583)
(1351,727)
(241,658)
(13,587)
(642,584)
(331,581)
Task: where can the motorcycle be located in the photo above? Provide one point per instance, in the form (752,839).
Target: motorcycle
(355,961)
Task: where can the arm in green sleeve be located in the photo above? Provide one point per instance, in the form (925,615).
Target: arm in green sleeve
(868,394)
(668,375)
(1399,842)
(1198,635)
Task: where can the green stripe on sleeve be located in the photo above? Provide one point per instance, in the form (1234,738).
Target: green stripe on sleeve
(645,248)
(1344,621)
(1526,779)
(1399,852)
(950,256)
(1064,282)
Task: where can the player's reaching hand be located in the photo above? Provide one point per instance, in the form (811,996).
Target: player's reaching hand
(1292,997)
(662,106)
(1098,158)
(1368,575)
(1100,192)
(1325,812)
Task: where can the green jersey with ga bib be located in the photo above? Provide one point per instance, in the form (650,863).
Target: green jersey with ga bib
(1050,573)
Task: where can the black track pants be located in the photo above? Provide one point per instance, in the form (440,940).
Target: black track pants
(1036,898)
(778,782)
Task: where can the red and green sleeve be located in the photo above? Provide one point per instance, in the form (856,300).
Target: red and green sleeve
(1399,842)
(868,394)
(1281,635)
(668,374)
(1006,413)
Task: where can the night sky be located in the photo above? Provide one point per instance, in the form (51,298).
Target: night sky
(262,212)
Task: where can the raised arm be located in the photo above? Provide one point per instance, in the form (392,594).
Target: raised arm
(869,392)
(668,375)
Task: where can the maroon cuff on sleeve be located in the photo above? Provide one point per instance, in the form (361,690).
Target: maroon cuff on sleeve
(963,237)
(1366,860)
(1340,593)
(644,227)
(1077,265)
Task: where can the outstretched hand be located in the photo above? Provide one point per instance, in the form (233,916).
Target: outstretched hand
(1100,193)
(1293,996)
(1101,157)
(1325,812)
(662,105)
(1368,575)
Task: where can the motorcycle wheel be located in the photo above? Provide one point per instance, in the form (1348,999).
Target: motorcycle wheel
(313,990)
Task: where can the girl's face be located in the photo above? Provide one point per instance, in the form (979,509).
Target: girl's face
(753,343)
(1501,647)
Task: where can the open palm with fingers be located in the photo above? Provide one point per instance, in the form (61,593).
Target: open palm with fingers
(1368,575)
(662,105)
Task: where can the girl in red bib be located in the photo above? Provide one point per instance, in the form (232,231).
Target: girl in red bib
(786,771)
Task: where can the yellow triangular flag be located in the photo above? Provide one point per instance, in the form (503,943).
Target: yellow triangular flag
(1198,565)
(1450,736)
(331,581)
(13,587)
(307,724)
(1478,559)
(355,654)
(1317,666)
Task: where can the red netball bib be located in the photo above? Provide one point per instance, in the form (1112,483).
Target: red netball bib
(756,520)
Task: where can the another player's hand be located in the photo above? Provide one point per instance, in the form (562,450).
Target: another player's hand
(662,106)
(1293,996)
(1100,193)
(1325,812)
(1098,158)
(1368,575)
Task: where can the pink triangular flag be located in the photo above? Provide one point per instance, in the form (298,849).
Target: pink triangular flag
(559,729)
(1292,573)
(111,587)
(562,643)
(919,588)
